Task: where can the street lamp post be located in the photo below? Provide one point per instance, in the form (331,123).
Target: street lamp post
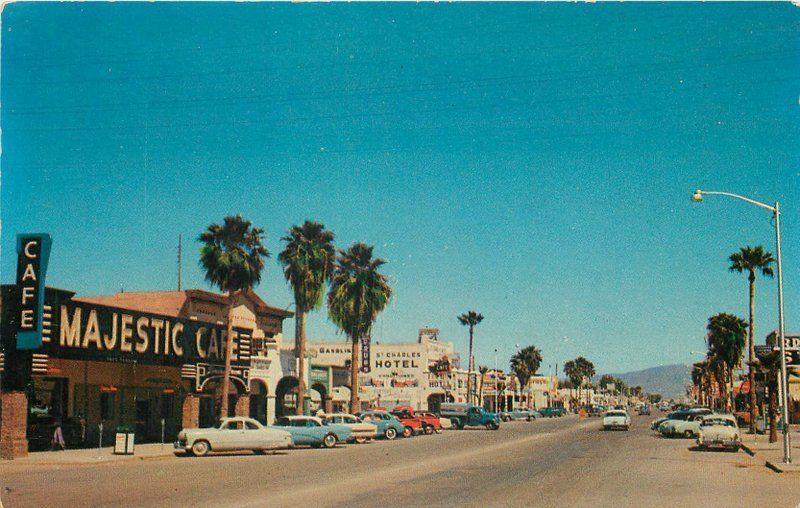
(697,197)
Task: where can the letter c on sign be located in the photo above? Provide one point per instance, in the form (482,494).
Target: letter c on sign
(27,252)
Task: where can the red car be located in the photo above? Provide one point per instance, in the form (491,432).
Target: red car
(411,423)
(429,422)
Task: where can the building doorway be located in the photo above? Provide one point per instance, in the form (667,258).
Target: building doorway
(258,401)
(286,396)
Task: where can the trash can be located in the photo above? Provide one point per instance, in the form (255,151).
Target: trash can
(124,440)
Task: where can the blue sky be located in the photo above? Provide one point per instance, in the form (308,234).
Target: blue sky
(533,162)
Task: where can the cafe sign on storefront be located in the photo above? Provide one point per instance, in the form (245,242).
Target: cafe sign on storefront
(33,253)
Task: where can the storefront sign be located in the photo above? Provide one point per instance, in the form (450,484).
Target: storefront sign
(85,331)
(33,252)
(365,357)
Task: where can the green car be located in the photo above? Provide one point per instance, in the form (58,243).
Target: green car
(552,412)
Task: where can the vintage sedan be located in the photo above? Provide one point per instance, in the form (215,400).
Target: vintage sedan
(616,419)
(682,425)
(362,432)
(237,433)
(718,430)
(389,427)
(312,431)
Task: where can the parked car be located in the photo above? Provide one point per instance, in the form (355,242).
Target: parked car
(682,424)
(718,430)
(552,412)
(361,431)
(616,419)
(312,431)
(432,422)
(466,415)
(657,422)
(389,427)
(517,414)
(237,433)
(446,423)
(412,424)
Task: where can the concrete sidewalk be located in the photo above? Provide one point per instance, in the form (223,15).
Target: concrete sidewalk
(759,446)
(88,456)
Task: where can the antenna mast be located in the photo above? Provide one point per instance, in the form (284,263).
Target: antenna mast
(179,261)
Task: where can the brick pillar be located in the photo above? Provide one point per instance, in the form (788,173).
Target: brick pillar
(190,418)
(13,425)
(243,405)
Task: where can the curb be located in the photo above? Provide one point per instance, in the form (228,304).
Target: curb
(747,450)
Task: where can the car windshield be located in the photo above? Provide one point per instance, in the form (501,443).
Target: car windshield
(615,413)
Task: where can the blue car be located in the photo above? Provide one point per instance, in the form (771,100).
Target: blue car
(311,431)
(388,425)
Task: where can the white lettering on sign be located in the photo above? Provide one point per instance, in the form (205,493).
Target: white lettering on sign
(27,319)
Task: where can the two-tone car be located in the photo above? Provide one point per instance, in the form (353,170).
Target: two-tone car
(719,431)
(312,431)
(233,434)
(362,431)
(389,427)
(683,423)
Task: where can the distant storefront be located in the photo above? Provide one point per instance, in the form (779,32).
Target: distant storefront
(417,373)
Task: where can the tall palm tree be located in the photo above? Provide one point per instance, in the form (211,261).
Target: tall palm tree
(726,343)
(472,319)
(483,369)
(525,363)
(752,260)
(308,261)
(232,256)
(358,293)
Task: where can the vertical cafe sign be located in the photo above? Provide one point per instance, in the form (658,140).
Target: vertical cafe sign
(365,356)
(33,252)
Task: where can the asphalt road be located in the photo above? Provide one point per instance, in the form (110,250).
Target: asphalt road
(559,462)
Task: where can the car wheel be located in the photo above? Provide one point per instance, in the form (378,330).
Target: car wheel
(428,429)
(200,448)
(492,426)
(408,432)
(688,434)
(361,440)
(329,441)
(390,433)
(438,431)
(258,452)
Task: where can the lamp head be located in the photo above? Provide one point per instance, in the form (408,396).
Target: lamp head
(697,197)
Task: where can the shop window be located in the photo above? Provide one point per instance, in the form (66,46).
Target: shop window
(107,405)
(166,406)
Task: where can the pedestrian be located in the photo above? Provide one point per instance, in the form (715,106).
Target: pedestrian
(58,438)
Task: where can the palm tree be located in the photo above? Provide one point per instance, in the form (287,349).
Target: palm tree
(483,369)
(726,343)
(750,260)
(525,363)
(308,261)
(572,370)
(770,365)
(359,292)
(471,319)
(232,256)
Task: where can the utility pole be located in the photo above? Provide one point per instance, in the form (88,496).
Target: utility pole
(180,238)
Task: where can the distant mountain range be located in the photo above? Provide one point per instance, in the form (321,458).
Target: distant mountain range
(668,380)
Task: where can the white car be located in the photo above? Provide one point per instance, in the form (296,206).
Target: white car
(719,430)
(616,419)
(446,423)
(237,433)
(362,432)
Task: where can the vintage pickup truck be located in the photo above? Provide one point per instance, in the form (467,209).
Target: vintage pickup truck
(467,415)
